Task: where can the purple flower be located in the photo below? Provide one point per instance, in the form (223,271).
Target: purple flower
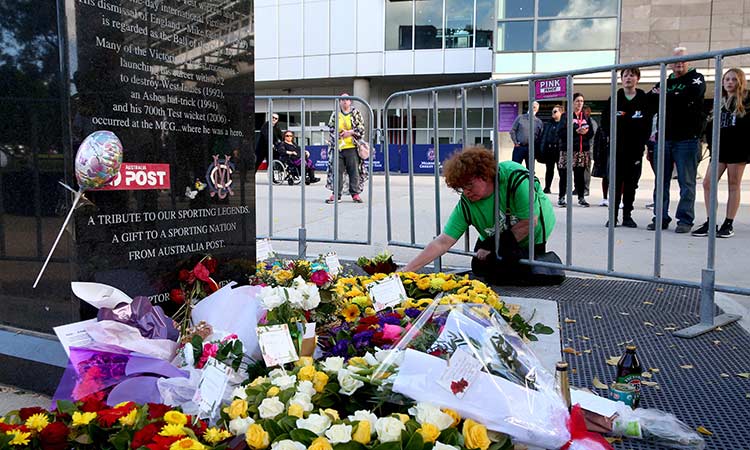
(389,319)
(362,339)
(412,312)
(439,321)
(341,348)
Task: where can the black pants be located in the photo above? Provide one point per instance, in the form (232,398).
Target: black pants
(549,175)
(498,271)
(349,164)
(626,183)
(578,182)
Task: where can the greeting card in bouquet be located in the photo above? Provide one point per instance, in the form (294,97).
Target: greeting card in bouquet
(263,249)
(460,373)
(333,264)
(389,292)
(276,345)
(213,383)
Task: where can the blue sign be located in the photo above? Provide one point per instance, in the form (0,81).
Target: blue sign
(319,156)
(424,157)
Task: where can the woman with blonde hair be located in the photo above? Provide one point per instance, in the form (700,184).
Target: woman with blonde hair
(734,123)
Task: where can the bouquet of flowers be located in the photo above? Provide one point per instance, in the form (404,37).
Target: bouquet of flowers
(195,285)
(284,272)
(380,263)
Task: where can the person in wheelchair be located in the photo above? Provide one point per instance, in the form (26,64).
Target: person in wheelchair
(290,154)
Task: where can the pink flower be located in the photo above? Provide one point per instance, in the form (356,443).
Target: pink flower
(320,277)
(201,272)
(231,337)
(391,332)
(209,350)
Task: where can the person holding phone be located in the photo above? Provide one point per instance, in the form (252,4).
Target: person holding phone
(582,133)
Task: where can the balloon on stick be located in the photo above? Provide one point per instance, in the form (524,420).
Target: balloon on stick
(97,163)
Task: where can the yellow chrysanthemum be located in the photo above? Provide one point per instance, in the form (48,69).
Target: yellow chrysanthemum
(369,312)
(37,422)
(449,285)
(175,418)
(80,419)
(437,283)
(362,301)
(350,312)
(187,444)
(215,435)
(423,283)
(355,292)
(19,437)
(129,419)
(379,276)
(282,276)
(172,429)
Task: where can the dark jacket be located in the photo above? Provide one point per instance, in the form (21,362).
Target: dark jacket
(284,147)
(685,115)
(262,143)
(734,130)
(551,144)
(634,118)
(581,142)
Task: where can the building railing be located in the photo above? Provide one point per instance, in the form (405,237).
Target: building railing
(707,283)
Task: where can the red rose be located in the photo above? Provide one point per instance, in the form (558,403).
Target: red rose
(162,442)
(144,436)
(320,277)
(54,436)
(93,402)
(210,264)
(157,410)
(25,413)
(212,286)
(369,321)
(177,296)
(184,275)
(201,272)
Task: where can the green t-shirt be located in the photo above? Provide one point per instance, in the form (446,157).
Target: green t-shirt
(481,212)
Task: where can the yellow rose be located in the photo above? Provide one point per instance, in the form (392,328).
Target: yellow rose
(429,432)
(258,381)
(362,433)
(475,435)
(456,416)
(306,373)
(320,443)
(273,391)
(238,408)
(175,418)
(295,409)
(332,413)
(186,444)
(256,437)
(304,361)
(402,417)
(320,379)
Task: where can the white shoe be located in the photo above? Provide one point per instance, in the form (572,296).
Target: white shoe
(621,205)
(604,202)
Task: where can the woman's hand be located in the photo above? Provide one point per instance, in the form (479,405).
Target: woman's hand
(482,254)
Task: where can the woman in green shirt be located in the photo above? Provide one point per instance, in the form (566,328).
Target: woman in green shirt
(472,172)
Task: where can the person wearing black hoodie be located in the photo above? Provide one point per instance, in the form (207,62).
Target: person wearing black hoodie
(685,120)
(633,130)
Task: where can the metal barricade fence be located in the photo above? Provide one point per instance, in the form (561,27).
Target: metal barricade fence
(707,285)
(302,237)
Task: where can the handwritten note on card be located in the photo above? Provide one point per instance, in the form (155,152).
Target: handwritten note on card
(213,382)
(276,345)
(389,292)
(460,373)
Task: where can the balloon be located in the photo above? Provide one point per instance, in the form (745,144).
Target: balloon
(98,159)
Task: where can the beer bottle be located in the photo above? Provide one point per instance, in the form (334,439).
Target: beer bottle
(630,371)
(562,382)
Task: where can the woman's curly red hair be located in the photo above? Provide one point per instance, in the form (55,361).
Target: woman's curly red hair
(467,164)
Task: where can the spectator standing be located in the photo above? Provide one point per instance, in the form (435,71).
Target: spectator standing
(350,130)
(734,150)
(587,171)
(552,146)
(291,153)
(685,120)
(582,133)
(634,122)
(261,145)
(519,134)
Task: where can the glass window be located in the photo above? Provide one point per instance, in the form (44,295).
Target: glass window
(515,36)
(445,118)
(419,118)
(318,117)
(513,62)
(485,23)
(474,116)
(575,8)
(576,34)
(511,9)
(487,117)
(428,28)
(558,61)
(398,25)
(459,23)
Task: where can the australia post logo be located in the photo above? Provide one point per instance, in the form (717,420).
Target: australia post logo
(140,176)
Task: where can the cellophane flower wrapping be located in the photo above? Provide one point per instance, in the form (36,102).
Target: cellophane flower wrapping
(508,389)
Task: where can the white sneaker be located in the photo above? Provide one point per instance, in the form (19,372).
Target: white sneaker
(604,202)
(621,205)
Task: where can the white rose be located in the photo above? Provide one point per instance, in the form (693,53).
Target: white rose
(371,360)
(316,423)
(348,383)
(295,297)
(270,408)
(429,413)
(275,373)
(339,434)
(306,387)
(389,429)
(271,298)
(238,426)
(396,355)
(363,415)
(239,392)
(310,297)
(299,282)
(333,364)
(288,444)
(302,399)
(440,446)
(285,381)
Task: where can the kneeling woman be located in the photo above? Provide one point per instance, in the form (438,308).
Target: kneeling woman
(472,172)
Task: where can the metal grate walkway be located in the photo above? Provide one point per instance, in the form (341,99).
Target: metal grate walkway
(608,314)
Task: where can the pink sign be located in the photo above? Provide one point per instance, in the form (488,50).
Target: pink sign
(140,176)
(552,88)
